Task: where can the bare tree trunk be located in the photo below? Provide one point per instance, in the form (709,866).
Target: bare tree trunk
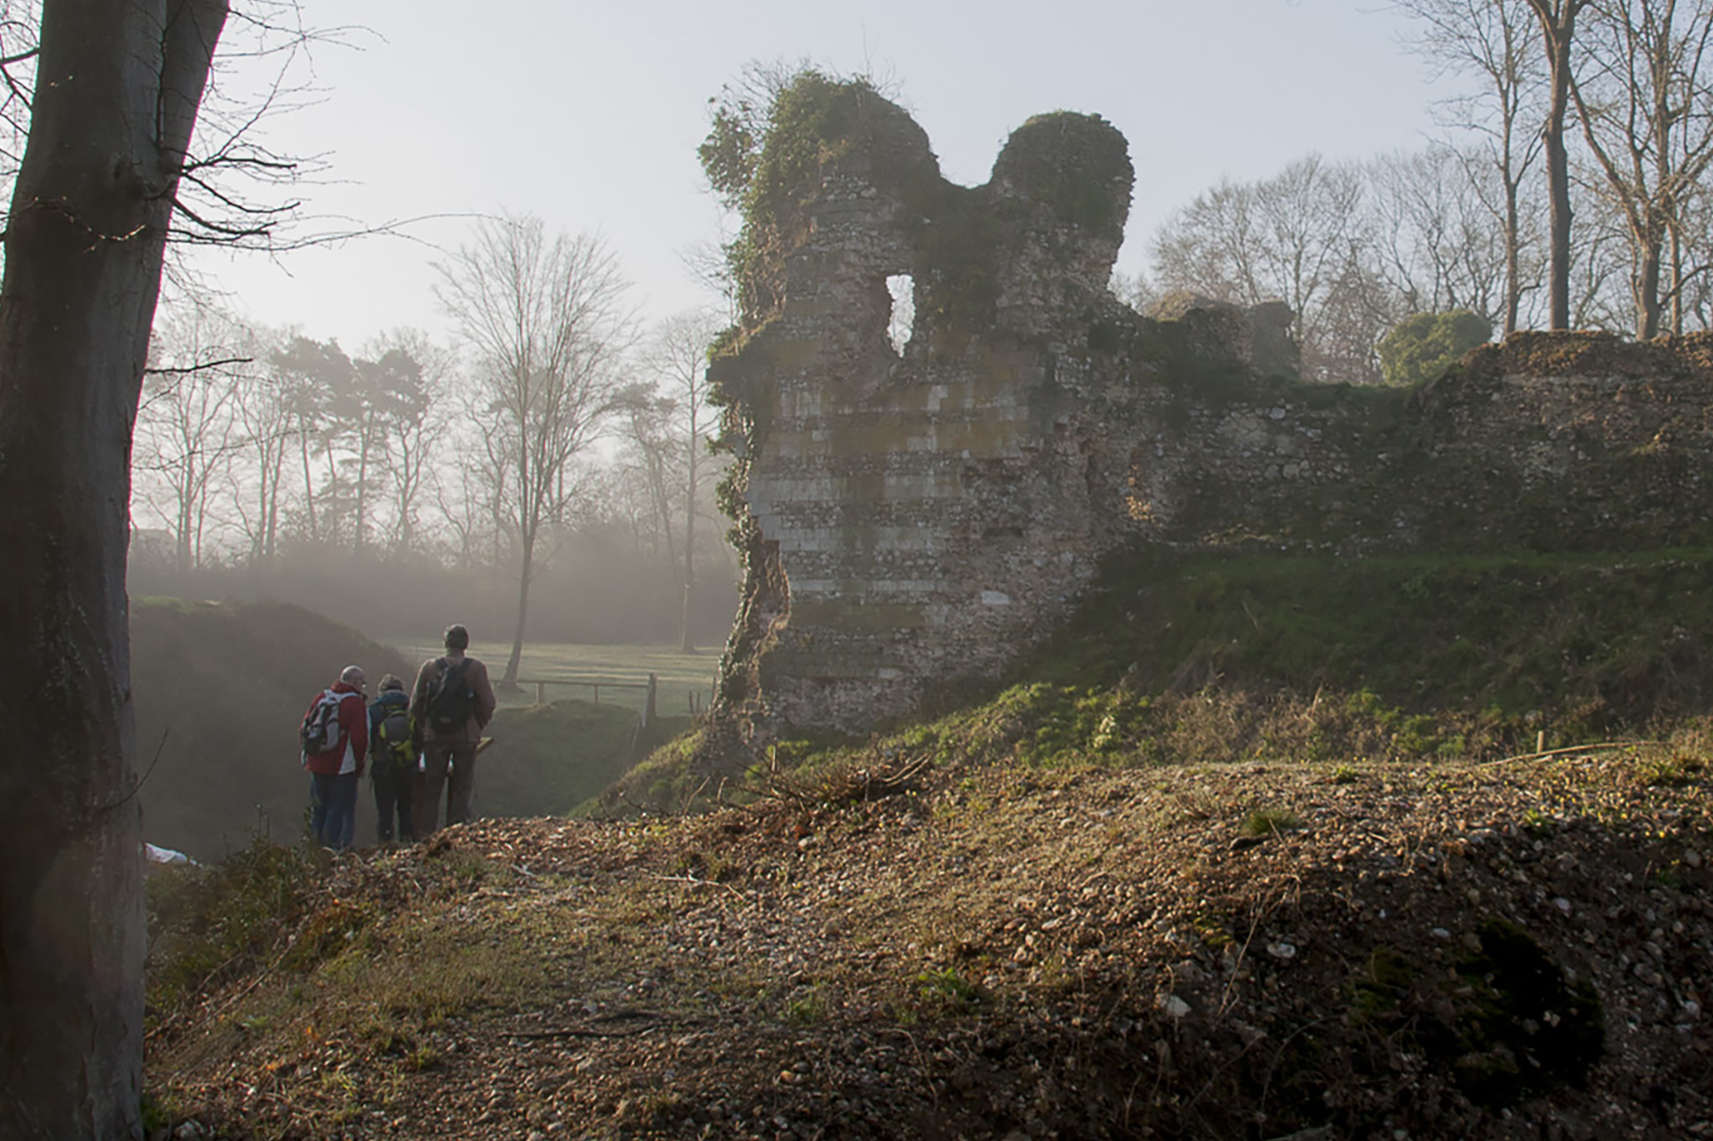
(1558,189)
(1676,283)
(1557,19)
(365,426)
(1647,292)
(685,643)
(1513,257)
(119,84)
(528,561)
(271,528)
(308,481)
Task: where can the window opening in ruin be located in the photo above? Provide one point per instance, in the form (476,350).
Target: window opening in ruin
(902,287)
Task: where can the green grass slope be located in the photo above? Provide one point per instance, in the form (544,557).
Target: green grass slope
(1620,638)
(550,759)
(1213,656)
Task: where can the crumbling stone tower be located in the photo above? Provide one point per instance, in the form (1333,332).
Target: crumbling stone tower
(911,521)
(917,516)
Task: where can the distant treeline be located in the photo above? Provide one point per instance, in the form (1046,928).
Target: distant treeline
(552,478)
(596,589)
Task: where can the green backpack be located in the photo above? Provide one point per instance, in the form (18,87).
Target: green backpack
(395,733)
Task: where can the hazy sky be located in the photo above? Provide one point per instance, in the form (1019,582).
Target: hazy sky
(589,115)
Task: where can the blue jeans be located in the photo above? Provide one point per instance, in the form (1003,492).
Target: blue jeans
(333,808)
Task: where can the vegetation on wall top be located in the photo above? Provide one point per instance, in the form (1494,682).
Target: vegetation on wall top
(1079,165)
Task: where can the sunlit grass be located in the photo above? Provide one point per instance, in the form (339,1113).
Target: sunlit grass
(681,678)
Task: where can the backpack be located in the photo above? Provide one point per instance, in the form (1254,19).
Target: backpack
(450,703)
(395,732)
(321,732)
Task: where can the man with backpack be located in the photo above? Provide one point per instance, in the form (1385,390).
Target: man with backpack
(452,702)
(335,739)
(395,748)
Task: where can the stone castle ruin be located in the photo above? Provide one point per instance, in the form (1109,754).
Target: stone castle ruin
(911,521)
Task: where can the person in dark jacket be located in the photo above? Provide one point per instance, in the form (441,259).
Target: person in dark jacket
(452,702)
(334,772)
(393,750)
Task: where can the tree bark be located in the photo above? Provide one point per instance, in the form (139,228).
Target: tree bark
(1557,20)
(686,644)
(1647,290)
(119,83)
(515,659)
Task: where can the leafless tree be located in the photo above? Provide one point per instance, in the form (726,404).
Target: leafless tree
(671,434)
(1495,41)
(545,323)
(1645,103)
(267,416)
(1555,21)
(19,23)
(468,493)
(1693,249)
(1297,237)
(1436,244)
(1599,297)
(188,427)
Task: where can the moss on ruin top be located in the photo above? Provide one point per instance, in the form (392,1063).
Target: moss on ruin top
(769,164)
(1078,165)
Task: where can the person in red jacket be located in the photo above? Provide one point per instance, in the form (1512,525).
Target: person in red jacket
(334,772)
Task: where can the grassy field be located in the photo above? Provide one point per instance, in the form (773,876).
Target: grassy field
(576,670)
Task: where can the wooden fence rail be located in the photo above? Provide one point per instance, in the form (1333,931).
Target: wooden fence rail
(652,685)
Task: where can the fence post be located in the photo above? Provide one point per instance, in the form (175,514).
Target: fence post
(648,702)
(541,693)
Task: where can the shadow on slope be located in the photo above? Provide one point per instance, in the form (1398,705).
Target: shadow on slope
(219,691)
(221,687)
(550,759)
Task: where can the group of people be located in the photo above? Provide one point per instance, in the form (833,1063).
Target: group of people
(414,744)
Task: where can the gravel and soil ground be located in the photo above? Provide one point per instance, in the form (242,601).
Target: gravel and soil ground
(1515,950)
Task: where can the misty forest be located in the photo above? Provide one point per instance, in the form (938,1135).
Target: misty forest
(942,685)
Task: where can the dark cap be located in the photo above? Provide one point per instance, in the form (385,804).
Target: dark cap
(457,638)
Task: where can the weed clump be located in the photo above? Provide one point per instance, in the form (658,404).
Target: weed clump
(1264,822)
(207,924)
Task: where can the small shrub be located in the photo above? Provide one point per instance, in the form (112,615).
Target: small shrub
(208,923)
(1539,824)
(946,990)
(807,1009)
(1675,771)
(1269,822)
(1425,346)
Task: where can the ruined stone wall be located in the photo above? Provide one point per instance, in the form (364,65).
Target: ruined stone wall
(915,521)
